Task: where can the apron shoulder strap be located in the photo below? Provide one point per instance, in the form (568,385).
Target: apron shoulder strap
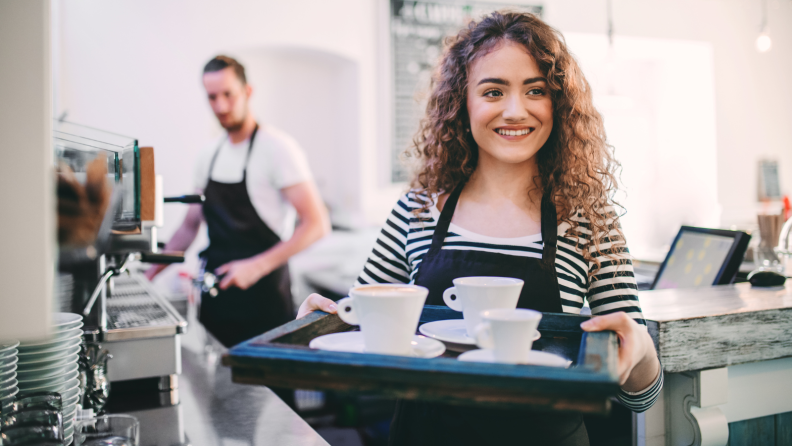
(250,149)
(247,157)
(441,229)
(549,228)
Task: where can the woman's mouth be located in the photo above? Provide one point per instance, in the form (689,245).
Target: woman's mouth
(514,134)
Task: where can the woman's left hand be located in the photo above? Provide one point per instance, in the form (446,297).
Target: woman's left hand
(638,363)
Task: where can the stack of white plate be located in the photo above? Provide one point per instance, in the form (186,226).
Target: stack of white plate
(51,366)
(8,375)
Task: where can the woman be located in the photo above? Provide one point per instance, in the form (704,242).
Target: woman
(515,180)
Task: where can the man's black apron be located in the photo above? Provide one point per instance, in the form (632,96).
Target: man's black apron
(420,423)
(237,232)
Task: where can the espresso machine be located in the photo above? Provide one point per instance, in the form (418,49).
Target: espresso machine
(121,310)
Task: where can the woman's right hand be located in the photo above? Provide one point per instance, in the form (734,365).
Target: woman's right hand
(316,302)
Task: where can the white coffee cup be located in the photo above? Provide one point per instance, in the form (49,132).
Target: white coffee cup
(472,295)
(510,333)
(387,314)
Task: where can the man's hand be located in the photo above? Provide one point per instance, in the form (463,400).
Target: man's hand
(638,364)
(316,302)
(243,273)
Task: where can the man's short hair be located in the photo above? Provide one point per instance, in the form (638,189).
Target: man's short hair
(222,62)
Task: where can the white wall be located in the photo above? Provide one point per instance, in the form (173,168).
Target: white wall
(752,93)
(666,151)
(27,218)
(134,67)
(313,96)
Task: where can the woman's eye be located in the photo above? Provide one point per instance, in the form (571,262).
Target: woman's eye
(492,94)
(535,92)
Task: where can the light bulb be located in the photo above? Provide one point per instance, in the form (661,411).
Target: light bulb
(763,43)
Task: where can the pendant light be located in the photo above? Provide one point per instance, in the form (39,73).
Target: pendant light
(763,42)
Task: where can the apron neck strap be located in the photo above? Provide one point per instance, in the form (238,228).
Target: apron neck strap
(549,224)
(549,228)
(441,229)
(250,149)
(247,157)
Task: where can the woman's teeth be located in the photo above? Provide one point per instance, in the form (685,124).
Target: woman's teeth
(513,132)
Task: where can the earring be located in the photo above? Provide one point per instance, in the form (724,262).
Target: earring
(467,130)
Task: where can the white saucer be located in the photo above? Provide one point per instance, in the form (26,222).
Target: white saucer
(535,358)
(353,342)
(451,330)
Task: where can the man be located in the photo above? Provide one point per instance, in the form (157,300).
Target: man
(254,178)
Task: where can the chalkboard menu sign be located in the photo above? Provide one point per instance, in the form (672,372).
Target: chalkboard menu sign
(417,30)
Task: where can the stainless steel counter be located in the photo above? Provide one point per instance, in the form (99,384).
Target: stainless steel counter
(214,411)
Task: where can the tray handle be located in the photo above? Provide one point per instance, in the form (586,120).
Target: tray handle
(599,351)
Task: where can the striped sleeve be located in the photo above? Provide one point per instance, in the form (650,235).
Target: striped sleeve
(388,260)
(612,287)
(641,401)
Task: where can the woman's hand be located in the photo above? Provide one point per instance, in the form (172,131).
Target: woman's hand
(638,363)
(316,302)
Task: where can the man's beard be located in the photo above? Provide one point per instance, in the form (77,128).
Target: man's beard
(235,126)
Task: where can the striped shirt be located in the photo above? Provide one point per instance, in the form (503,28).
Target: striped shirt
(406,238)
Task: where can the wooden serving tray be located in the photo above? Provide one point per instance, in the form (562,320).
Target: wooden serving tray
(281,358)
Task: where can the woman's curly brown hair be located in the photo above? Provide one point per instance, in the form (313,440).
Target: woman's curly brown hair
(575,163)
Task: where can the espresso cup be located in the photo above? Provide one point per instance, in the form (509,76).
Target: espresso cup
(387,315)
(510,333)
(472,295)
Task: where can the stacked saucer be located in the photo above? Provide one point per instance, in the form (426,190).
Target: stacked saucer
(50,365)
(8,375)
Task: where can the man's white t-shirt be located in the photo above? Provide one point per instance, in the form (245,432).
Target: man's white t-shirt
(276,161)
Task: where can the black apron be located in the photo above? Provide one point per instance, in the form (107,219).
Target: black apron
(418,423)
(237,232)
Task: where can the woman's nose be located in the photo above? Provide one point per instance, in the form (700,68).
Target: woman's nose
(515,109)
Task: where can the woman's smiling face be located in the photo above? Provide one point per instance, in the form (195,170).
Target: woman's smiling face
(511,114)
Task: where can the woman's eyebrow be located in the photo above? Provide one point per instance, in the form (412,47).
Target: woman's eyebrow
(499,81)
(493,80)
(531,80)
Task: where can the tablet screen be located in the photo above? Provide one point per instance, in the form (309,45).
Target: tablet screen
(695,260)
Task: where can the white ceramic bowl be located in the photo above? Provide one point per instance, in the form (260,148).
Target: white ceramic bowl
(59,386)
(10,365)
(41,357)
(50,346)
(63,321)
(9,390)
(49,378)
(71,392)
(28,375)
(51,341)
(7,375)
(46,364)
(5,348)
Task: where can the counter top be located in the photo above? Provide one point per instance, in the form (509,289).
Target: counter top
(679,304)
(703,328)
(215,411)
